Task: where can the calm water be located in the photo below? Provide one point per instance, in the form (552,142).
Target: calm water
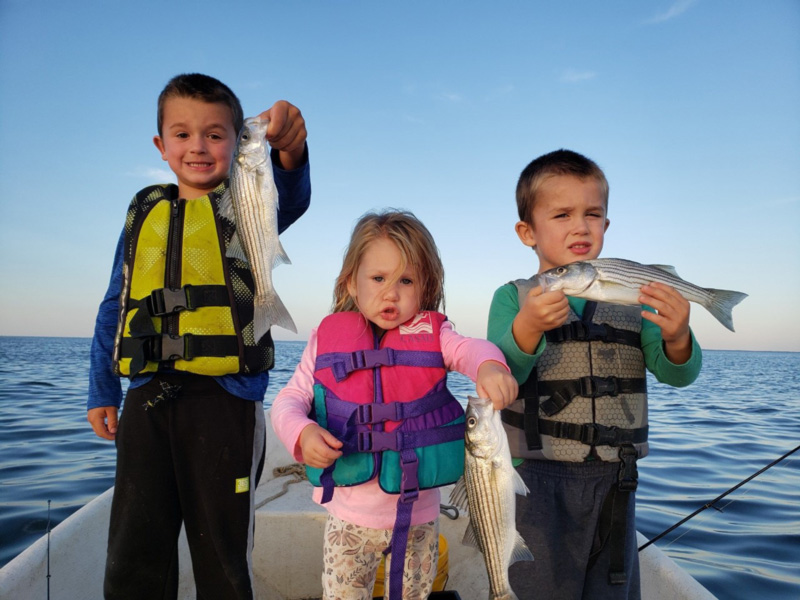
(741,414)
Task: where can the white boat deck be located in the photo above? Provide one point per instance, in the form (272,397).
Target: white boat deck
(287,557)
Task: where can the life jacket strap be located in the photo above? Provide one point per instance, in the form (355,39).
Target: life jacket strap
(397,440)
(344,363)
(163,347)
(613,518)
(165,301)
(588,331)
(562,392)
(591,434)
(408,495)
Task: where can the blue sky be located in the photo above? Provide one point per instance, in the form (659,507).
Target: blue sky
(690,107)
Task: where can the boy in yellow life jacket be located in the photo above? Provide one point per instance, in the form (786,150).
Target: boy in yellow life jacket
(190,441)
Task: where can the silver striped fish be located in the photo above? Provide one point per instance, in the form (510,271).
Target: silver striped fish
(253,205)
(488,491)
(617,281)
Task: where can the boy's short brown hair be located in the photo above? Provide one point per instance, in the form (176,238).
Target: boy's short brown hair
(559,162)
(200,87)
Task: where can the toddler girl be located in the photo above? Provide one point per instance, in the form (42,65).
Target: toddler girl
(368,410)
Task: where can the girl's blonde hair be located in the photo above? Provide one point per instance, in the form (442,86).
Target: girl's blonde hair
(417,249)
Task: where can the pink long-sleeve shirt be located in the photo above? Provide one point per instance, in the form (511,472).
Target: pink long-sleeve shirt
(367,505)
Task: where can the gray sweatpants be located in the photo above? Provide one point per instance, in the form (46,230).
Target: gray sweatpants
(559,522)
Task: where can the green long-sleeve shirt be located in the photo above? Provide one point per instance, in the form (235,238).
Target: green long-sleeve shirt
(505,306)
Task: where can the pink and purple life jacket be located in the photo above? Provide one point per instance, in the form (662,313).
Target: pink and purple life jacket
(386,399)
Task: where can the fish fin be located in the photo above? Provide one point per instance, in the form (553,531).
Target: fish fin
(519,484)
(470,538)
(226,206)
(458,495)
(667,269)
(269,312)
(521,551)
(235,248)
(281,258)
(722,303)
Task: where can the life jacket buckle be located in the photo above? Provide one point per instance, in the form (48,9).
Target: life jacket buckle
(578,331)
(377,441)
(628,475)
(376,413)
(409,482)
(165,301)
(174,347)
(593,386)
(594,434)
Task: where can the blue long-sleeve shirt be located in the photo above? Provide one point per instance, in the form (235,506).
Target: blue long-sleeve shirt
(105,388)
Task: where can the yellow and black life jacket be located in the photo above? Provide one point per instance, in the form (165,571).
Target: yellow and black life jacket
(185,305)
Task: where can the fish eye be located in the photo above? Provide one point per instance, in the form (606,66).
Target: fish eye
(245,137)
(561,270)
(472,421)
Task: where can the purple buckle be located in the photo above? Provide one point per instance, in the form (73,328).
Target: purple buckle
(376,441)
(409,483)
(376,413)
(378,358)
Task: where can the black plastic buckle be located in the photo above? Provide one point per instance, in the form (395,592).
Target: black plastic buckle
(599,331)
(592,386)
(628,476)
(594,434)
(174,347)
(166,301)
(579,331)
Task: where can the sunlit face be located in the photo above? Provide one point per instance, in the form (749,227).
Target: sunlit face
(198,139)
(385,293)
(569,221)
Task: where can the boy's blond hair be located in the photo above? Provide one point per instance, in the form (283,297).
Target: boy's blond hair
(417,249)
(559,162)
(200,87)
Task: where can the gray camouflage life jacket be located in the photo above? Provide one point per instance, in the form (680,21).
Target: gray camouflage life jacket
(587,395)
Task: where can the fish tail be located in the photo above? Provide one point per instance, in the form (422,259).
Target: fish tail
(722,303)
(270,311)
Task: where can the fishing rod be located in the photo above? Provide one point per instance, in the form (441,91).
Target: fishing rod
(717,499)
(48,550)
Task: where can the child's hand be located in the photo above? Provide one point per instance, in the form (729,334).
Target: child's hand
(104,421)
(672,318)
(539,313)
(286,132)
(496,383)
(318,446)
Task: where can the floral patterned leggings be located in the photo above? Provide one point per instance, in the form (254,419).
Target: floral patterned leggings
(352,554)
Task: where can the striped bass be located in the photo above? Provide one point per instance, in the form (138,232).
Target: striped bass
(617,281)
(488,491)
(253,206)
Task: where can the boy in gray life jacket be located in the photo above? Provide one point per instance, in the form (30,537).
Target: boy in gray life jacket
(580,422)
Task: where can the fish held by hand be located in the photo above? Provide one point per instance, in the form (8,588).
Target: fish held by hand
(618,281)
(253,206)
(488,492)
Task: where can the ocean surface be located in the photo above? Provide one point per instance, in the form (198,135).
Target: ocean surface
(740,415)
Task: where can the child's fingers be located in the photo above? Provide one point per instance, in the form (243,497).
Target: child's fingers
(501,390)
(331,440)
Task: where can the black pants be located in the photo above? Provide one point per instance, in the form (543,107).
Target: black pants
(559,521)
(193,457)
